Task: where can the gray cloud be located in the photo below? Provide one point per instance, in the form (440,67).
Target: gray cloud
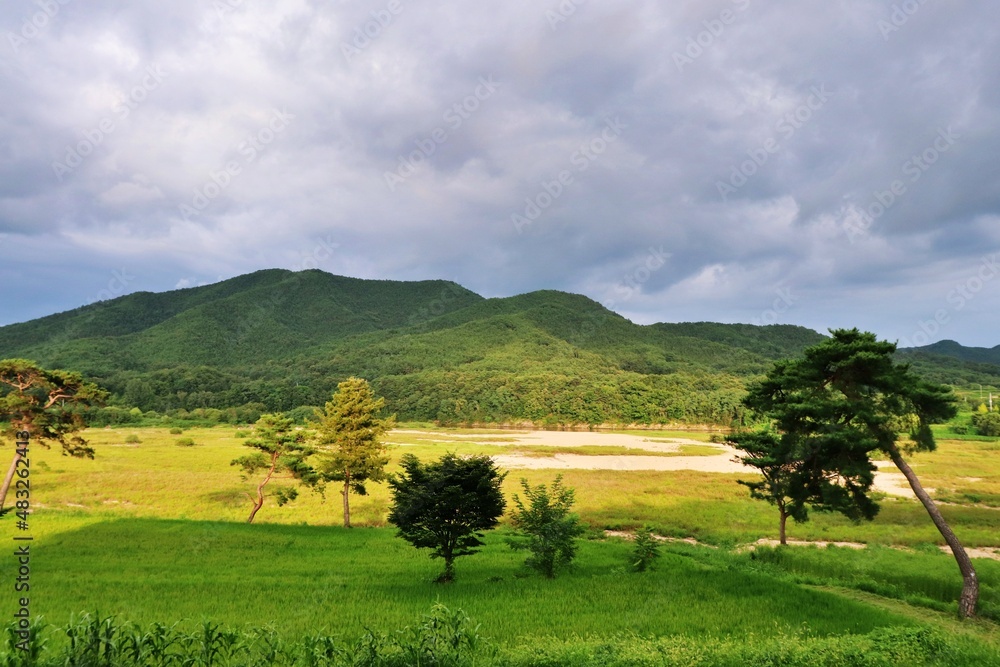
(199,140)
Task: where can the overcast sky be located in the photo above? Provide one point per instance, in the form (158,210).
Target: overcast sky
(823,163)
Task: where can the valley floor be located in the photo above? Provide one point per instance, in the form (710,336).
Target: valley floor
(154,531)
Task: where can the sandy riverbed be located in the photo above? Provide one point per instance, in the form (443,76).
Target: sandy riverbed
(723,462)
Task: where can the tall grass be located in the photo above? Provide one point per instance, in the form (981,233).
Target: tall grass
(347,581)
(445,638)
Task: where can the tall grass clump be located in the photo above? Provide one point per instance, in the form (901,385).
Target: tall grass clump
(447,638)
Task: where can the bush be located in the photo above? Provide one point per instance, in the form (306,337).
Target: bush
(176,431)
(646,550)
(185,442)
(132,439)
(987,423)
(549,530)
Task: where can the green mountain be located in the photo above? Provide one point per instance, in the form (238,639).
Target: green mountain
(951,363)
(278,340)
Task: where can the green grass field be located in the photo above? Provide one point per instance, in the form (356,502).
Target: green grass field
(153,531)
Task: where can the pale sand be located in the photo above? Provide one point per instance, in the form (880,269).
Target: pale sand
(723,462)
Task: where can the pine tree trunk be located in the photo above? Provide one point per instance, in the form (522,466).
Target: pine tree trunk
(347,504)
(256,506)
(259,502)
(8,479)
(11,471)
(969,598)
(781,526)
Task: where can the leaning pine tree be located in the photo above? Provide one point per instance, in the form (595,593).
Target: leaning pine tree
(281,451)
(842,401)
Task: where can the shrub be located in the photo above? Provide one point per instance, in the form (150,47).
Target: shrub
(549,530)
(185,442)
(987,423)
(132,439)
(176,431)
(646,550)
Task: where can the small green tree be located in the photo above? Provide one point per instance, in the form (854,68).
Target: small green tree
(549,530)
(792,481)
(47,404)
(348,439)
(446,505)
(645,551)
(281,450)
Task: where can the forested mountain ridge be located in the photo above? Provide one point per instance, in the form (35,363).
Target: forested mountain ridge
(277,340)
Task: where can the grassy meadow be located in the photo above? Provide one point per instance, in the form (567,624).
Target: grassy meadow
(154,531)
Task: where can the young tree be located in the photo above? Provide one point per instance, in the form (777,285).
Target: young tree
(445,506)
(846,398)
(793,479)
(348,437)
(281,450)
(47,404)
(549,529)
(646,550)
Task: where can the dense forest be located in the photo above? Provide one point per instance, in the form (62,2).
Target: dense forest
(281,340)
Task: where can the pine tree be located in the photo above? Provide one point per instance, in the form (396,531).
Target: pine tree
(349,440)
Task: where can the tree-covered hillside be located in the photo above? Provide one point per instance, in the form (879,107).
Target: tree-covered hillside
(277,340)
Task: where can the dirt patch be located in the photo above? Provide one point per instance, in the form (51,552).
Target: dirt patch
(764,542)
(977,552)
(686,540)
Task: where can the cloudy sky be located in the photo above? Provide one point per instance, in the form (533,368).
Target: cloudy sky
(812,162)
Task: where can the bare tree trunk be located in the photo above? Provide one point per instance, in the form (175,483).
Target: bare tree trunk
(781,526)
(20,439)
(9,478)
(259,502)
(347,504)
(970,582)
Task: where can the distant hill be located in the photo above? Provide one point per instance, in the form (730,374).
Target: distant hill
(949,362)
(949,348)
(277,340)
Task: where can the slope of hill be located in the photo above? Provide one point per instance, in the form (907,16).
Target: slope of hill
(949,348)
(276,340)
(949,362)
